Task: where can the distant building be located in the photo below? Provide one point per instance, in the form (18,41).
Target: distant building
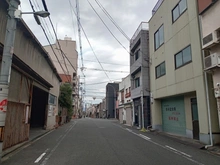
(68,58)
(140,78)
(125,102)
(111,98)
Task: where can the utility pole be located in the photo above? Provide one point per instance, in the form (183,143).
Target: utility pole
(142,108)
(80,49)
(6,63)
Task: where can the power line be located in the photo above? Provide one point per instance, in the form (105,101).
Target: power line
(109,16)
(100,83)
(117,26)
(106,70)
(107,27)
(107,63)
(49,41)
(43,20)
(63,54)
(91,45)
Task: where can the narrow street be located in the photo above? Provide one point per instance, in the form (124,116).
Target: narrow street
(101,141)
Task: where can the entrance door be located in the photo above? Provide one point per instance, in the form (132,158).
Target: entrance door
(195,118)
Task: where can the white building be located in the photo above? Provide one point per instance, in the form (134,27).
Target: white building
(124,102)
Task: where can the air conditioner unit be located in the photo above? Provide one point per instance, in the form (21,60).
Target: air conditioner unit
(212,61)
(211,39)
(217,93)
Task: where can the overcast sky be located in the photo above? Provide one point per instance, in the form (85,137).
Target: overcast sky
(128,14)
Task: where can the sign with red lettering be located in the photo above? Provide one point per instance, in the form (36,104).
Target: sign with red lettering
(3,105)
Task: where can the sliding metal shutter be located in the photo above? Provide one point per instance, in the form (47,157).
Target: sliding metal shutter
(173,115)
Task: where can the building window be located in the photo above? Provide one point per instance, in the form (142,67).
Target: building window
(122,96)
(52,99)
(179,10)
(137,82)
(160,70)
(159,37)
(183,57)
(137,54)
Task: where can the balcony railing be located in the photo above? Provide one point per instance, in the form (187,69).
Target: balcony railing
(156,7)
(142,26)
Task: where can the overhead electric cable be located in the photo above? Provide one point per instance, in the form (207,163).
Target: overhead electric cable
(91,46)
(100,82)
(43,20)
(62,53)
(107,27)
(49,41)
(109,16)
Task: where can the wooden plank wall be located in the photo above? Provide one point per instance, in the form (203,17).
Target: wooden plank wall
(17,124)
(16,130)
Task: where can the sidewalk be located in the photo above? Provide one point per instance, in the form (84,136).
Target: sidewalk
(35,133)
(192,142)
(183,140)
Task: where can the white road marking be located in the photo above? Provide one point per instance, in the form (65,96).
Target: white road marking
(39,158)
(178,151)
(128,130)
(144,137)
(58,143)
(184,155)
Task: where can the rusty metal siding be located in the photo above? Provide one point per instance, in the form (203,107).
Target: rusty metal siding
(32,54)
(16,131)
(19,88)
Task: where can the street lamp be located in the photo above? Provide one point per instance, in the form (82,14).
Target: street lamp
(18,13)
(8,52)
(43,14)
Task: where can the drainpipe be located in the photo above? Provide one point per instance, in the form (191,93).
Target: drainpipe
(207,91)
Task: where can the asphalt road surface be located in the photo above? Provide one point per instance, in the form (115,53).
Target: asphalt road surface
(105,142)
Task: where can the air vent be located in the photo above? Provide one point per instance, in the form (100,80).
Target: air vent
(207,39)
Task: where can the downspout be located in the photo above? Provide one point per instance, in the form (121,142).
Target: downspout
(207,91)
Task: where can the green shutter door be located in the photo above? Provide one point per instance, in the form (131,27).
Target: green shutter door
(173,115)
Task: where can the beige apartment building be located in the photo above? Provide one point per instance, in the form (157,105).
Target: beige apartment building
(67,57)
(178,88)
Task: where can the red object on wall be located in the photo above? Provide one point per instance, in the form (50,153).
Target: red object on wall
(2,104)
(203,4)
